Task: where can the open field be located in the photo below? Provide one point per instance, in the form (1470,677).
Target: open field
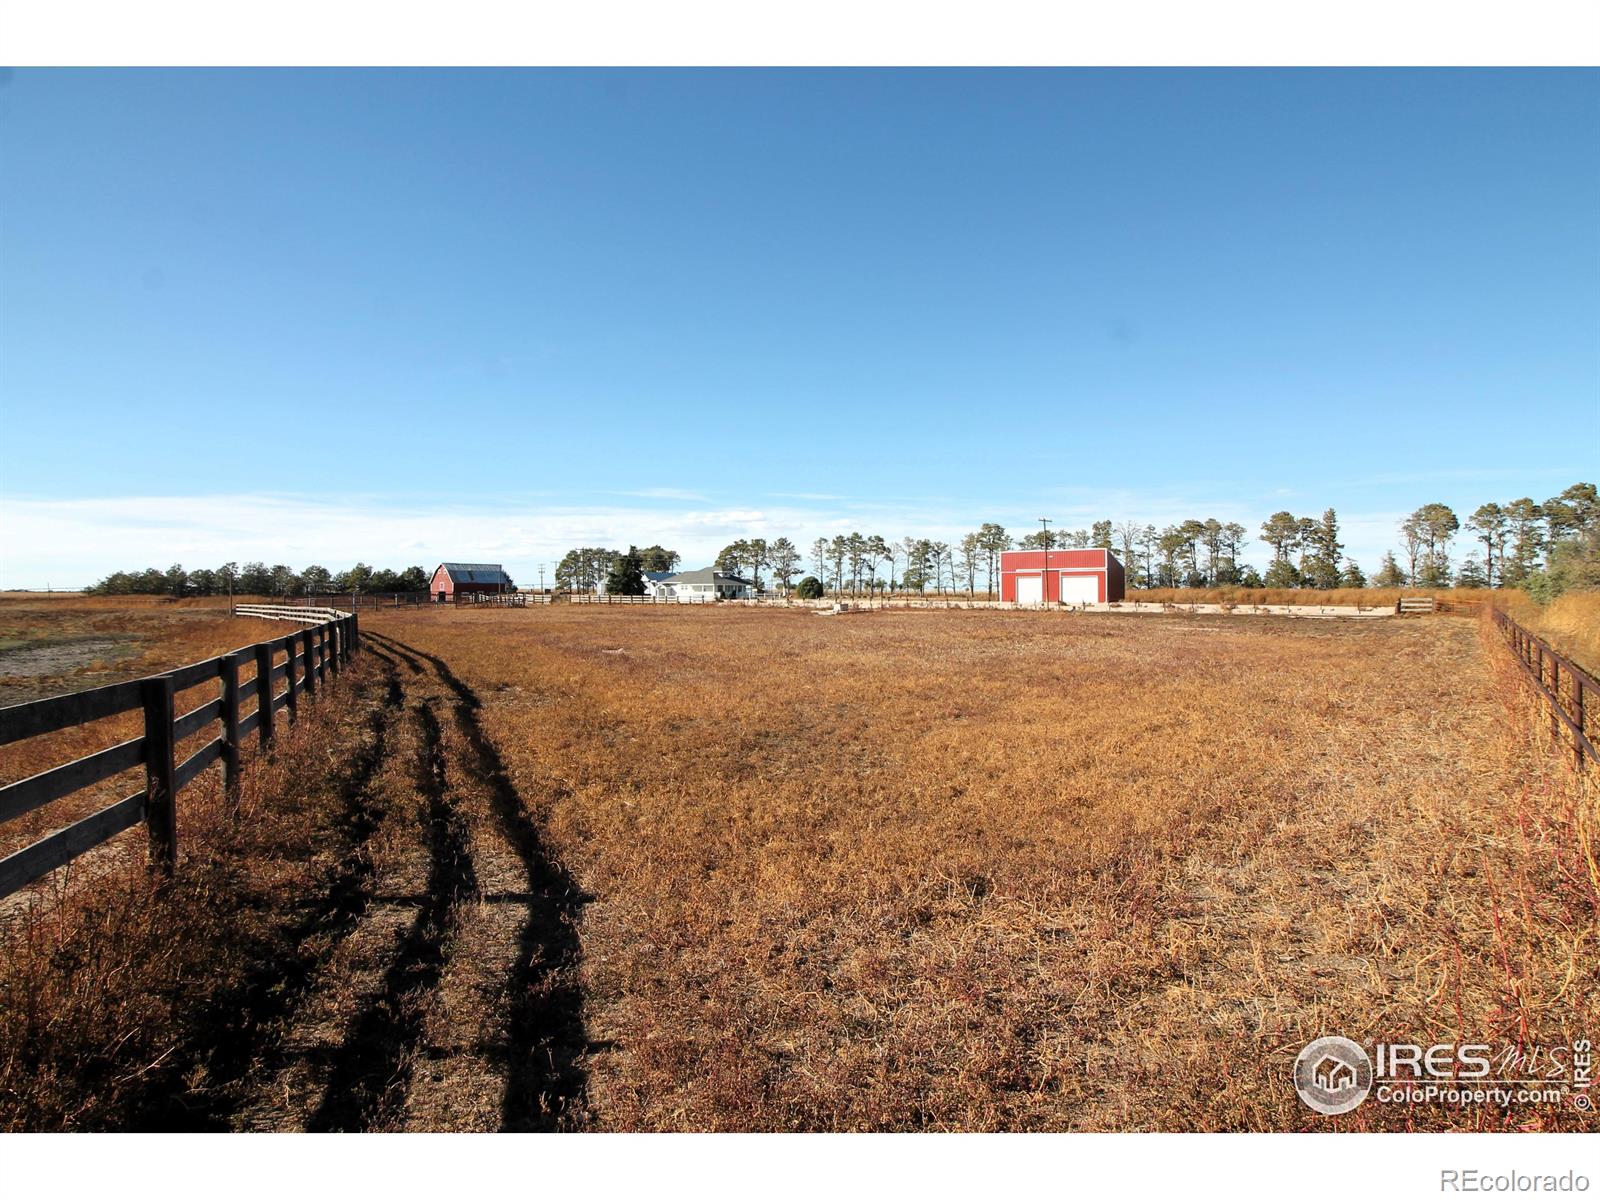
(746,869)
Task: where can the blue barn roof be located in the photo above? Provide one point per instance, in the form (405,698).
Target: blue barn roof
(491,574)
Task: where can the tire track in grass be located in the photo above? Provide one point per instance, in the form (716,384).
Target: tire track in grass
(371,1069)
(544,1039)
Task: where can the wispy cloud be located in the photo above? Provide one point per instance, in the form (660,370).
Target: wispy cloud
(667,493)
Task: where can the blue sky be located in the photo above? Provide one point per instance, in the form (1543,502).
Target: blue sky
(408,316)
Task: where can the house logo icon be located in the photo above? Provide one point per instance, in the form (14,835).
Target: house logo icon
(1333,1075)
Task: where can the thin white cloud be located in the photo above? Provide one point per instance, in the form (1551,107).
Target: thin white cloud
(667,493)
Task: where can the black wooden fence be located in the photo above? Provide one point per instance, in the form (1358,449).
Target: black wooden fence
(1573,696)
(310,657)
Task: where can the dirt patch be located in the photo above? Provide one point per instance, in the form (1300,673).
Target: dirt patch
(58,659)
(24,669)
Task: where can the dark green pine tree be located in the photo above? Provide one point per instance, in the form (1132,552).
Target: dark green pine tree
(626,577)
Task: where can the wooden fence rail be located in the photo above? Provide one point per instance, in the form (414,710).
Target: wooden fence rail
(311,656)
(1573,695)
(354,602)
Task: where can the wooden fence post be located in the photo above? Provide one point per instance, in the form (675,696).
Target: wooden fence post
(264,693)
(1577,704)
(310,677)
(1555,693)
(288,677)
(332,629)
(160,773)
(230,729)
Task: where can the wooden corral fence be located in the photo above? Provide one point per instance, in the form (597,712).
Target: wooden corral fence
(356,601)
(496,599)
(376,600)
(310,656)
(1573,695)
(1415,604)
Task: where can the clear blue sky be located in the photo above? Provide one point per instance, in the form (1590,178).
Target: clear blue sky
(502,311)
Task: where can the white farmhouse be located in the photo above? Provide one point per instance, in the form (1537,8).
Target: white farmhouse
(701,587)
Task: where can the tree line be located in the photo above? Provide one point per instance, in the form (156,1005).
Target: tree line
(1545,548)
(258,579)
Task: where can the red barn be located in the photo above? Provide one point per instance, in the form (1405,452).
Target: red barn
(1070,577)
(461,579)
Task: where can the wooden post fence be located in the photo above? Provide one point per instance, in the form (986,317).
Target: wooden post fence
(264,694)
(160,773)
(155,805)
(230,728)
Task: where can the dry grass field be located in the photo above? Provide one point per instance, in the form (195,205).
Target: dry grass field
(621,868)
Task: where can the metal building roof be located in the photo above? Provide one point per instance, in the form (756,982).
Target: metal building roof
(707,575)
(491,573)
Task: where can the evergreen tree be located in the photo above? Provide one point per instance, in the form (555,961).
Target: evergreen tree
(1527,540)
(1389,573)
(1323,564)
(755,557)
(658,558)
(1488,521)
(626,576)
(1472,574)
(1282,532)
(784,559)
(819,558)
(1282,574)
(995,541)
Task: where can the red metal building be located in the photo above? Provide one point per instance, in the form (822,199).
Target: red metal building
(1071,577)
(459,579)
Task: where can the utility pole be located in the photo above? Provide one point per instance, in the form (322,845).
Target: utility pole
(1044,576)
(541,577)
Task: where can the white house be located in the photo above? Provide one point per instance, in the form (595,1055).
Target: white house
(656,583)
(701,587)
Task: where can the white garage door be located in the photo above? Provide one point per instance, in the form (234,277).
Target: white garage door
(1080,589)
(1030,589)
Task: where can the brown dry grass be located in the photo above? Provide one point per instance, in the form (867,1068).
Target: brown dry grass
(984,870)
(902,870)
(1570,623)
(1362,597)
